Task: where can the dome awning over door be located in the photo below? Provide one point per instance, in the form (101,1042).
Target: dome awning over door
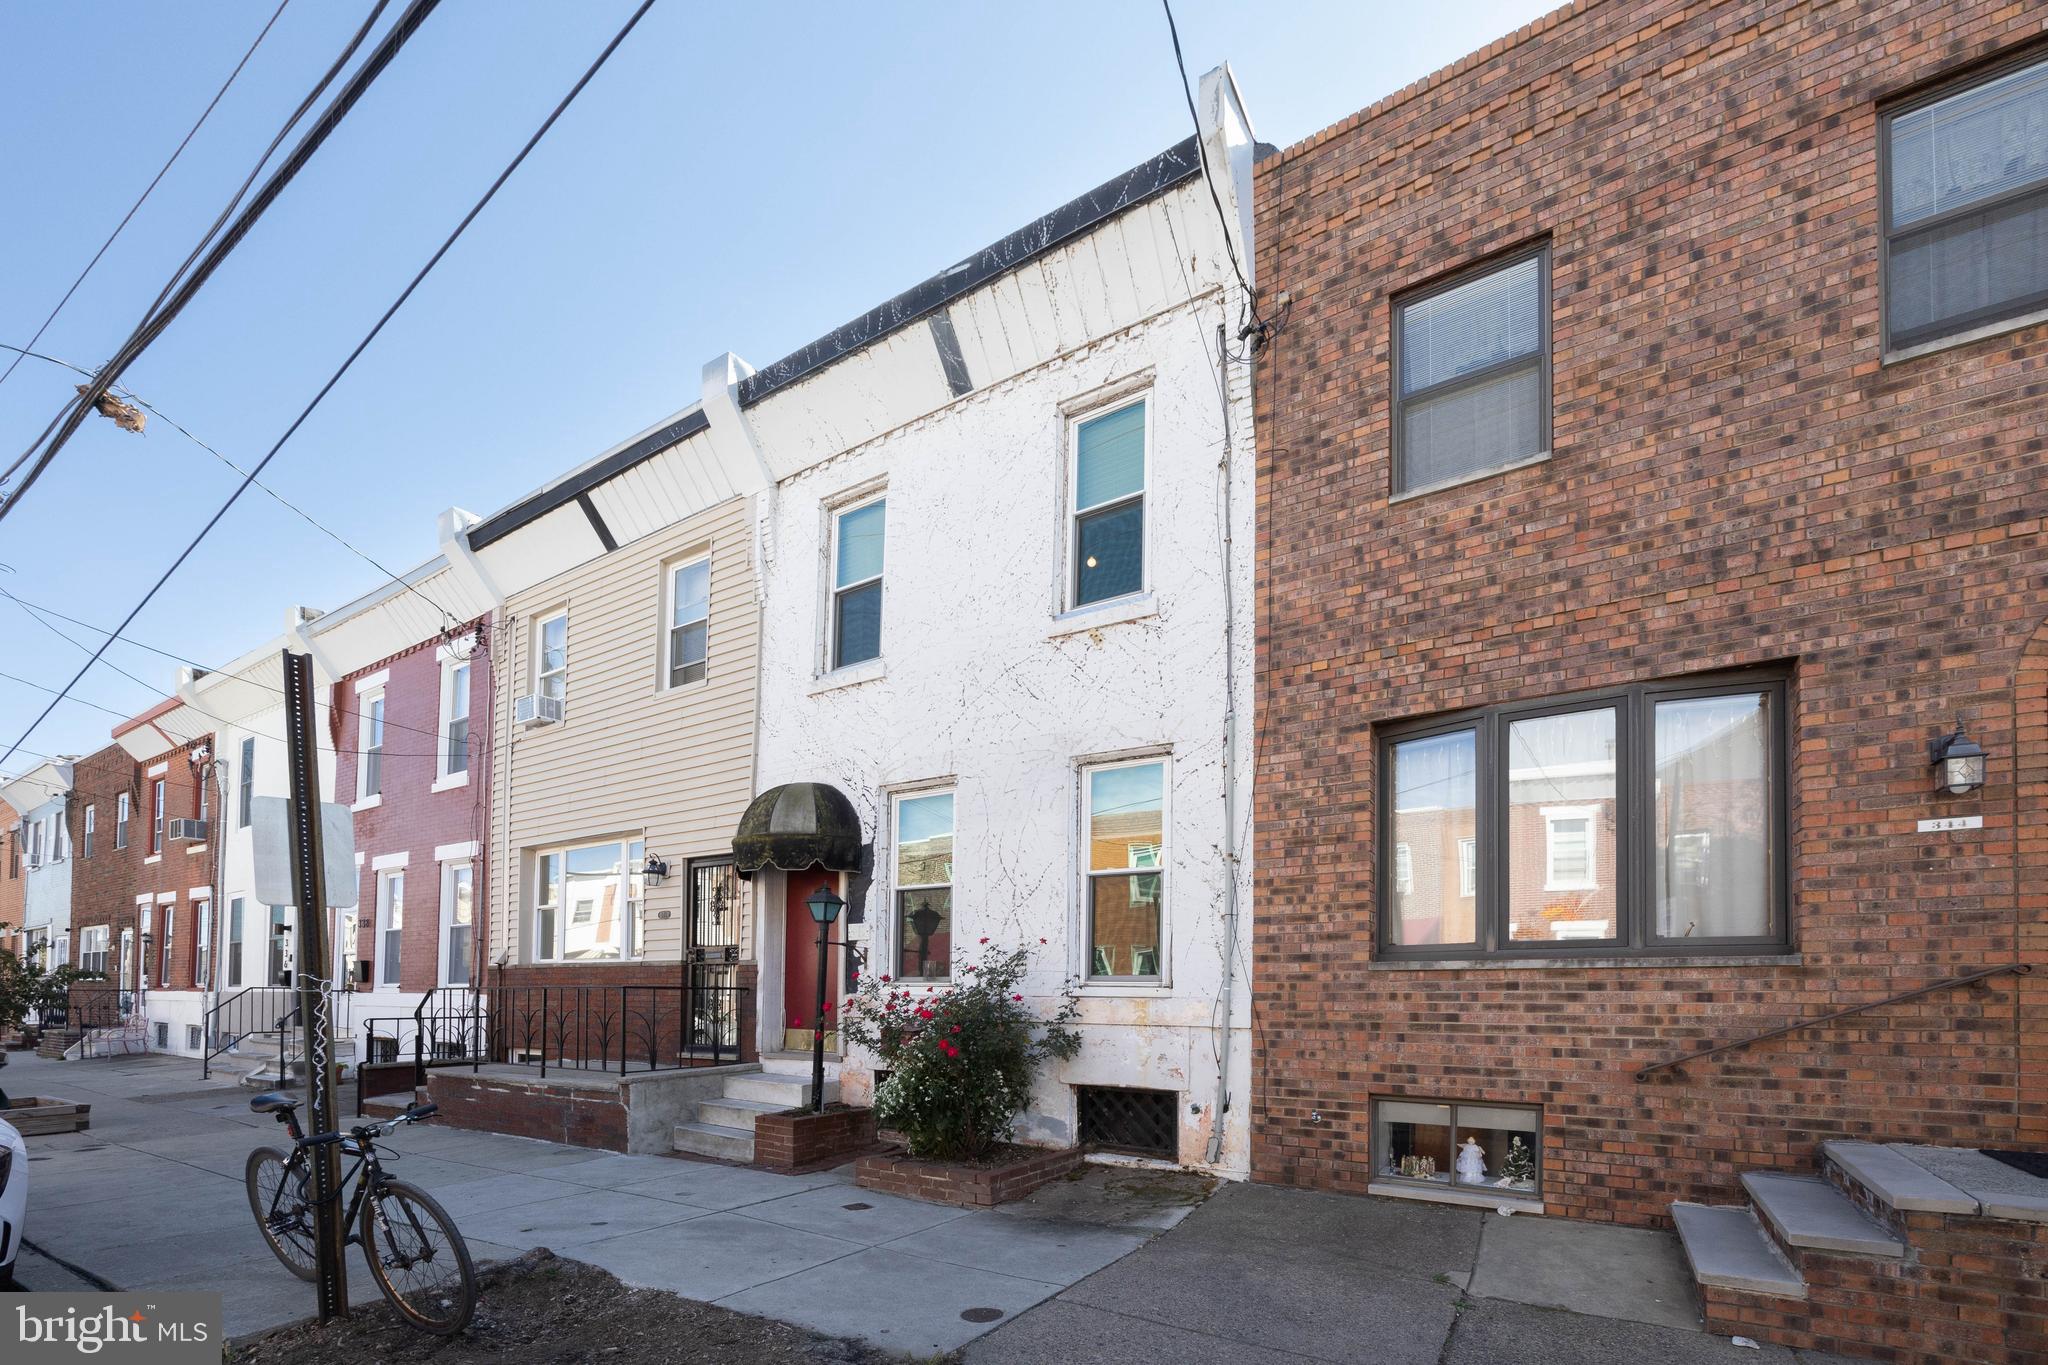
(795,826)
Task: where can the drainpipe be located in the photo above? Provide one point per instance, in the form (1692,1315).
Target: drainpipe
(452,529)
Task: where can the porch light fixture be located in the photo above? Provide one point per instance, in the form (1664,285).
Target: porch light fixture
(656,871)
(1958,763)
(825,906)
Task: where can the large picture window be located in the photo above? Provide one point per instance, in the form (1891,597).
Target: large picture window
(1472,374)
(587,902)
(1648,818)
(1125,823)
(924,886)
(1966,207)
(1476,1148)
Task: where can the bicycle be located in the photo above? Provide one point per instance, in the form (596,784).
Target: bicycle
(415,1253)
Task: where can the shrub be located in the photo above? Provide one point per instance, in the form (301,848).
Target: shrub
(960,1058)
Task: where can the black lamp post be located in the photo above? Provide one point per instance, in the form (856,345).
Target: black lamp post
(825,908)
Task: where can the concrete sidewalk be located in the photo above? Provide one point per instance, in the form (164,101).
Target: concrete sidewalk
(152,1197)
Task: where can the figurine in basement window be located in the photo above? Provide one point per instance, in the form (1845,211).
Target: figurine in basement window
(1472,1161)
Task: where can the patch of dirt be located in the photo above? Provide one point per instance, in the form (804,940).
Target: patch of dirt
(542,1309)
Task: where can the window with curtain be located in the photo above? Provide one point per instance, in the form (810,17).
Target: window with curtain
(858,538)
(1472,375)
(1966,207)
(1649,818)
(1109,505)
(689,621)
(924,886)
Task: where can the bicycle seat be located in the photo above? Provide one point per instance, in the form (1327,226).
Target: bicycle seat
(272,1102)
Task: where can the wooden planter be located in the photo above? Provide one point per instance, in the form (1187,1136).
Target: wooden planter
(966,1184)
(798,1140)
(35,1115)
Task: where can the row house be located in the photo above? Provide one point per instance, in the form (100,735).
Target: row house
(35,885)
(1651,488)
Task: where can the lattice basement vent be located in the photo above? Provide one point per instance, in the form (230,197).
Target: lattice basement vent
(1136,1121)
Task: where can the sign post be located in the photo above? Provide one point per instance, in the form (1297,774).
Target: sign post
(309,894)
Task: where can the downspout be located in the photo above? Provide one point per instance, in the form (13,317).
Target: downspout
(452,529)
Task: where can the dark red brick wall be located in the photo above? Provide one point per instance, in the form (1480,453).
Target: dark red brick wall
(179,869)
(412,818)
(1737,478)
(804,1142)
(950,1182)
(593,1117)
(104,886)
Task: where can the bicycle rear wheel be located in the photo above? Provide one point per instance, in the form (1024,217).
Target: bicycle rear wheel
(418,1258)
(281,1197)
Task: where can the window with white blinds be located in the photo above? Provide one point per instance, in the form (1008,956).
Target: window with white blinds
(1966,207)
(1471,375)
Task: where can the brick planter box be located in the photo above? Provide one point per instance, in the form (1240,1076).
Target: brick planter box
(963,1184)
(31,1116)
(798,1140)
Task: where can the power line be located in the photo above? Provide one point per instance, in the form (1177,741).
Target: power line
(75,701)
(165,311)
(150,188)
(448,617)
(361,346)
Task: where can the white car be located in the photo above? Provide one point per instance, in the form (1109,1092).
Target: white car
(13,1198)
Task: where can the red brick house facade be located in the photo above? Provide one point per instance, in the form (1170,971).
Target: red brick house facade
(106,876)
(1693,537)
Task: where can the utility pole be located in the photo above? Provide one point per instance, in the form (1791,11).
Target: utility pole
(309,884)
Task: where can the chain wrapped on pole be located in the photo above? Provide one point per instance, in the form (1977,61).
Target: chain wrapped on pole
(309,885)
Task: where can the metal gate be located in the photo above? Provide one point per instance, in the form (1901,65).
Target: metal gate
(712,957)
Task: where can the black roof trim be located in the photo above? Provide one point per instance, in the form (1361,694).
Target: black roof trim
(519,514)
(1172,166)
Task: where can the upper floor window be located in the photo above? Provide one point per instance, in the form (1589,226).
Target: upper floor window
(689,621)
(1472,374)
(1123,817)
(858,534)
(35,844)
(551,656)
(156,816)
(1108,512)
(247,791)
(924,885)
(91,821)
(1650,817)
(1966,207)
(121,820)
(587,902)
(370,762)
(14,854)
(454,718)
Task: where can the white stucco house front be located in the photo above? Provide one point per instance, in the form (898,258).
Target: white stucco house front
(1006,553)
(41,797)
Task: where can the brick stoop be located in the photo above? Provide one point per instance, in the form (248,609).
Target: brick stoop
(1875,1256)
(958,1183)
(795,1141)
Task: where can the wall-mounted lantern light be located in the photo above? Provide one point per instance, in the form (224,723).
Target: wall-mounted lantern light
(656,870)
(1958,763)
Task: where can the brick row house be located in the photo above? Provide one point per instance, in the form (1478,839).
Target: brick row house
(1651,486)
(35,883)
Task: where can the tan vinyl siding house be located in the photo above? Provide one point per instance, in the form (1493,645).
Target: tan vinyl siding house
(634,759)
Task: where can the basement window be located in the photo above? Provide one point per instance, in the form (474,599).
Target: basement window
(1471,1147)
(1139,1122)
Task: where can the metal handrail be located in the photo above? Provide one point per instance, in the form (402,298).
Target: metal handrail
(2009,969)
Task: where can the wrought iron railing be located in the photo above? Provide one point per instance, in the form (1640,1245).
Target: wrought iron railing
(268,1016)
(108,1017)
(449,1027)
(619,1028)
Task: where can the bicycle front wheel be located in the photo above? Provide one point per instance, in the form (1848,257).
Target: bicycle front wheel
(281,1197)
(419,1258)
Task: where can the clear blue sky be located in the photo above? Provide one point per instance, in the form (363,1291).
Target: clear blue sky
(738,178)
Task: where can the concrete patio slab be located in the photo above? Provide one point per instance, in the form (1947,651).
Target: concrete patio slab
(1636,1274)
(1395,1234)
(856,1215)
(894,1301)
(613,1170)
(509,1190)
(1064,1333)
(712,1256)
(577,1217)
(1030,1248)
(709,1185)
(1516,1334)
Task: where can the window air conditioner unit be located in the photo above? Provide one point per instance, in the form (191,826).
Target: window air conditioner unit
(188,831)
(537,710)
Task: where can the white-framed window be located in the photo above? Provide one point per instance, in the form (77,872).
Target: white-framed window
(61,950)
(91,826)
(129,960)
(121,820)
(247,792)
(370,745)
(205,785)
(458,922)
(278,946)
(347,946)
(202,954)
(687,638)
(156,816)
(588,900)
(551,656)
(35,844)
(1404,868)
(60,836)
(924,885)
(454,746)
(859,536)
(1110,454)
(390,926)
(92,949)
(163,970)
(1569,833)
(1124,824)
(1468,867)
(234,974)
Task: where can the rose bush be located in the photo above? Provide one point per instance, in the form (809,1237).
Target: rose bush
(960,1058)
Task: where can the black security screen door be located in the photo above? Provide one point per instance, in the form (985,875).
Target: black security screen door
(713,952)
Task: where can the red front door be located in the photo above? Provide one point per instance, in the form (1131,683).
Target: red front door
(800,950)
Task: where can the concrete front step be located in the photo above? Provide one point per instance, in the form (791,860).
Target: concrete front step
(728,1112)
(1729,1249)
(1809,1213)
(1893,1180)
(715,1140)
(781,1089)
